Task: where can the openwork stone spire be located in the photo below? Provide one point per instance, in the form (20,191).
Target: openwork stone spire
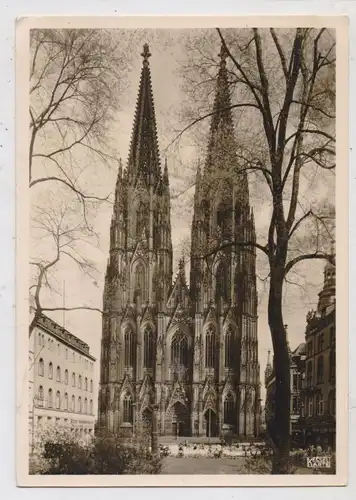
(144,161)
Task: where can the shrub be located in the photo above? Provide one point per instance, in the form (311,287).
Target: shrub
(63,453)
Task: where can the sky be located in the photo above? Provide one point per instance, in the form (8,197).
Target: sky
(165,65)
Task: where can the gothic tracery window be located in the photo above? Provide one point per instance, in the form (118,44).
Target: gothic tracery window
(210,348)
(141,217)
(229,409)
(140,281)
(127,409)
(223,219)
(179,349)
(129,347)
(229,349)
(148,354)
(221,283)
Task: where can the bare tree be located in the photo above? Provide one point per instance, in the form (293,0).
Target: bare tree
(63,237)
(76,79)
(282,85)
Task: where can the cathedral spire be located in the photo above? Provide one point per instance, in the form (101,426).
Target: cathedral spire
(144,159)
(222,147)
(165,174)
(222,116)
(181,272)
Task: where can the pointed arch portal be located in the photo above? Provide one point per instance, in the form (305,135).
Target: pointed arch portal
(180,420)
(211,428)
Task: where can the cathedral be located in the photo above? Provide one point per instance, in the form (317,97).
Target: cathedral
(186,350)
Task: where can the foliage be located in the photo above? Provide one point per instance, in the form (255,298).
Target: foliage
(63,453)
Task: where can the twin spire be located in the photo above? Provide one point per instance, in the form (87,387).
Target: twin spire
(144,158)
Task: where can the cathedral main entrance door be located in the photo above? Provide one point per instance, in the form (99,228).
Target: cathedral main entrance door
(180,420)
(211,429)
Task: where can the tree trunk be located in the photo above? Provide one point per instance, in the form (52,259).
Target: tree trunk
(280,426)
(154,431)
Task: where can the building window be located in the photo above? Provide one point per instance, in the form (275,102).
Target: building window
(210,348)
(321,342)
(86,384)
(50,370)
(85,405)
(66,401)
(148,354)
(140,282)
(296,381)
(310,406)
(80,381)
(229,355)
(66,353)
(73,357)
(179,350)
(40,396)
(41,368)
(73,379)
(79,404)
(58,400)
(39,339)
(91,386)
(331,402)
(129,348)
(320,369)
(332,336)
(66,377)
(128,409)
(302,409)
(50,398)
(309,349)
(58,349)
(295,405)
(91,407)
(229,410)
(221,283)
(309,374)
(319,404)
(73,403)
(58,374)
(332,366)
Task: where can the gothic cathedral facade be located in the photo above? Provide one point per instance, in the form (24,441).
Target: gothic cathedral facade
(188,351)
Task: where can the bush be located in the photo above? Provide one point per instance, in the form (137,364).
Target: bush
(63,453)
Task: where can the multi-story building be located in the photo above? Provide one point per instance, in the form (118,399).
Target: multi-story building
(61,376)
(188,353)
(318,408)
(297,368)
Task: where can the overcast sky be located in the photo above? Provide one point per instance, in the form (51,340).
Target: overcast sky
(168,96)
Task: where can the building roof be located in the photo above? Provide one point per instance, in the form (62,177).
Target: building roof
(300,350)
(64,335)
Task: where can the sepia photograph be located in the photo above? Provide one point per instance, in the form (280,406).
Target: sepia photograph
(178,288)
